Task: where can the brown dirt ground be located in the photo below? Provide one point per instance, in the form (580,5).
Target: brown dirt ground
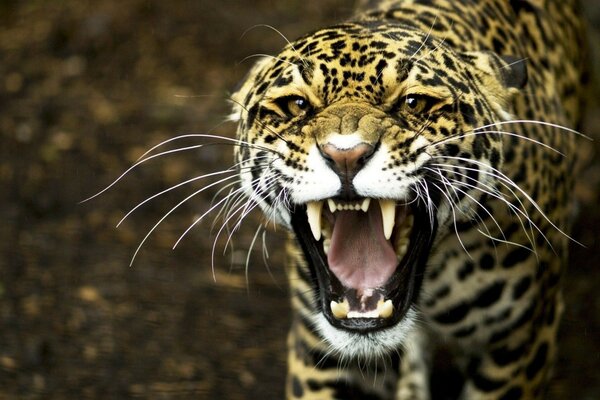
(85,88)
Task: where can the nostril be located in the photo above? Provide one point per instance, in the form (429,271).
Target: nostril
(365,157)
(349,160)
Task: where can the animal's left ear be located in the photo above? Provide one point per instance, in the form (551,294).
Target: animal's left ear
(509,71)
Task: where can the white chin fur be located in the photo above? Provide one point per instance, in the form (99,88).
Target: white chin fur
(370,345)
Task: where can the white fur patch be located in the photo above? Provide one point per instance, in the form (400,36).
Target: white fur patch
(344,142)
(366,345)
(319,182)
(377,180)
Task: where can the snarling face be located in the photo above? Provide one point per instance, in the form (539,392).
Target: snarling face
(369,142)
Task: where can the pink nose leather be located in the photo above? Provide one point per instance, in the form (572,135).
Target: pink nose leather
(348,161)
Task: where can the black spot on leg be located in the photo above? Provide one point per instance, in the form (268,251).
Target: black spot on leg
(466,270)
(514,393)
(538,362)
(489,295)
(297,389)
(521,287)
(515,257)
(503,356)
(453,315)
(464,332)
(486,262)
(314,385)
(486,384)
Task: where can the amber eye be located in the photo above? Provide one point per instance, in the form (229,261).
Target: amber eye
(416,103)
(294,106)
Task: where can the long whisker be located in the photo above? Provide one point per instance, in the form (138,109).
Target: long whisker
(230,203)
(173,188)
(534,122)
(245,209)
(452,208)
(175,208)
(144,159)
(280,34)
(427,36)
(269,182)
(507,133)
(247,267)
(502,177)
(495,193)
(197,220)
(488,234)
(208,136)
(266,55)
(140,162)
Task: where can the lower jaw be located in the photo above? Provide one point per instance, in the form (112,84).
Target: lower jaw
(375,344)
(402,288)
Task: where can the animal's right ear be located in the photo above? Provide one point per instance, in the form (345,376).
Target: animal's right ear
(508,71)
(240,96)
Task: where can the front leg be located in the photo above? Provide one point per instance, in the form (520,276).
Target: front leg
(518,367)
(413,382)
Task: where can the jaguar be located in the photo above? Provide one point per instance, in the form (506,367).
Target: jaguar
(421,156)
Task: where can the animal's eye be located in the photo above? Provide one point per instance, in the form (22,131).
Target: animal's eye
(418,103)
(294,106)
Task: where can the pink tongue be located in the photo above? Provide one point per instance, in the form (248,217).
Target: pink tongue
(359,255)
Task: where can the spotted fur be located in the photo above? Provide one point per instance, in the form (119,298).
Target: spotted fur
(468,110)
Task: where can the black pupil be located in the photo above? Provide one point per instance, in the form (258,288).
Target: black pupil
(411,102)
(301,103)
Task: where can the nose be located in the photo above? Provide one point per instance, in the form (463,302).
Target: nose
(347,161)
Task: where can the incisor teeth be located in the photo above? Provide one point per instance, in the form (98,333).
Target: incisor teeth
(339,310)
(385,308)
(344,206)
(388,214)
(313,212)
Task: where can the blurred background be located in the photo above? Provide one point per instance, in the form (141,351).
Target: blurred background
(86,87)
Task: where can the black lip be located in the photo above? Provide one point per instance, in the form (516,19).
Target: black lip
(402,288)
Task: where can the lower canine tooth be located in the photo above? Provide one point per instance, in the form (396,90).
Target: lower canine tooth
(339,310)
(385,308)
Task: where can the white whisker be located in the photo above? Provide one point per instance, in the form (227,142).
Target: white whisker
(175,187)
(140,161)
(172,210)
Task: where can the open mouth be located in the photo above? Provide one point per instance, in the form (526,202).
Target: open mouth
(366,257)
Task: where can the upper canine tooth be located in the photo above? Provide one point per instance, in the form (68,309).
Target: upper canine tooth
(313,212)
(388,214)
